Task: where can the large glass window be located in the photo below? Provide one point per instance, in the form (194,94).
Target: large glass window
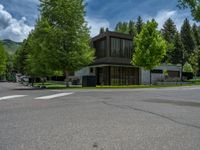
(124,76)
(115,47)
(100,47)
(121,48)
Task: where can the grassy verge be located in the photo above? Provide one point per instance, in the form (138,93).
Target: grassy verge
(51,85)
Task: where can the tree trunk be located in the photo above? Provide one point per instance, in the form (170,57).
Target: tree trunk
(67,78)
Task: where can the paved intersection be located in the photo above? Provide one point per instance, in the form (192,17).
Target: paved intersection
(121,119)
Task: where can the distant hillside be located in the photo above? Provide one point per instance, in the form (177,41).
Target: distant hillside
(10,46)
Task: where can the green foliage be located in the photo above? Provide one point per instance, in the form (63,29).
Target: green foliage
(37,62)
(60,41)
(169,30)
(150,47)
(193,60)
(21,56)
(177,53)
(127,28)
(68,39)
(102,30)
(194,6)
(187,67)
(196,34)
(139,24)
(58,73)
(165,73)
(3,60)
(187,38)
(122,27)
(132,28)
(10,46)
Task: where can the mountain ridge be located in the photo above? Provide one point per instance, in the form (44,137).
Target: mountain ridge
(10,46)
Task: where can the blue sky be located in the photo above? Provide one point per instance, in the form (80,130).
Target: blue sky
(17,17)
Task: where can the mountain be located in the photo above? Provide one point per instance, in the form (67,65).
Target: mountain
(10,46)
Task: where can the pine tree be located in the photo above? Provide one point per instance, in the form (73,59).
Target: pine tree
(132,28)
(187,38)
(102,30)
(139,24)
(169,30)
(21,56)
(196,34)
(118,27)
(177,55)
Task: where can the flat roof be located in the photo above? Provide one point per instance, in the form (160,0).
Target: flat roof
(112,34)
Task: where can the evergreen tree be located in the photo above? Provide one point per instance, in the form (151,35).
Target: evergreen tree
(9,68)
(196,34)
(118,27)
(20,57)
(169,30)
(132,28)
(177,55)
(139,24)
(187,38)
(102,30)
(122,27)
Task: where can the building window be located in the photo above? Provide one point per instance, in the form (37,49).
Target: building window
(100,47)
(121,48)
(127,47)
(124,76)
(157,71)
(115,47)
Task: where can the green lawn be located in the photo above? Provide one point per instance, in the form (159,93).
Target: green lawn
(51,85)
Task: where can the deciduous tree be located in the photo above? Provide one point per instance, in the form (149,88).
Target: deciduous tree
(69,45)
(194,6)
(3,59)
(150,47)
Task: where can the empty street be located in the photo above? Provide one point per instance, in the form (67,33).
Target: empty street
(99,119)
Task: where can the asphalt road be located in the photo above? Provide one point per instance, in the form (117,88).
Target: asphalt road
(126,119)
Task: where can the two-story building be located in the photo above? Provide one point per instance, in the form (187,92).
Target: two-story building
(112,64)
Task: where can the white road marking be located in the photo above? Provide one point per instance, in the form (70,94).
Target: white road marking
(54,96)
(11,97)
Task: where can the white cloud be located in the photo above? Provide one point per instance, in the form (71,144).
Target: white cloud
(176,16)
(11,28)
(95,25)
